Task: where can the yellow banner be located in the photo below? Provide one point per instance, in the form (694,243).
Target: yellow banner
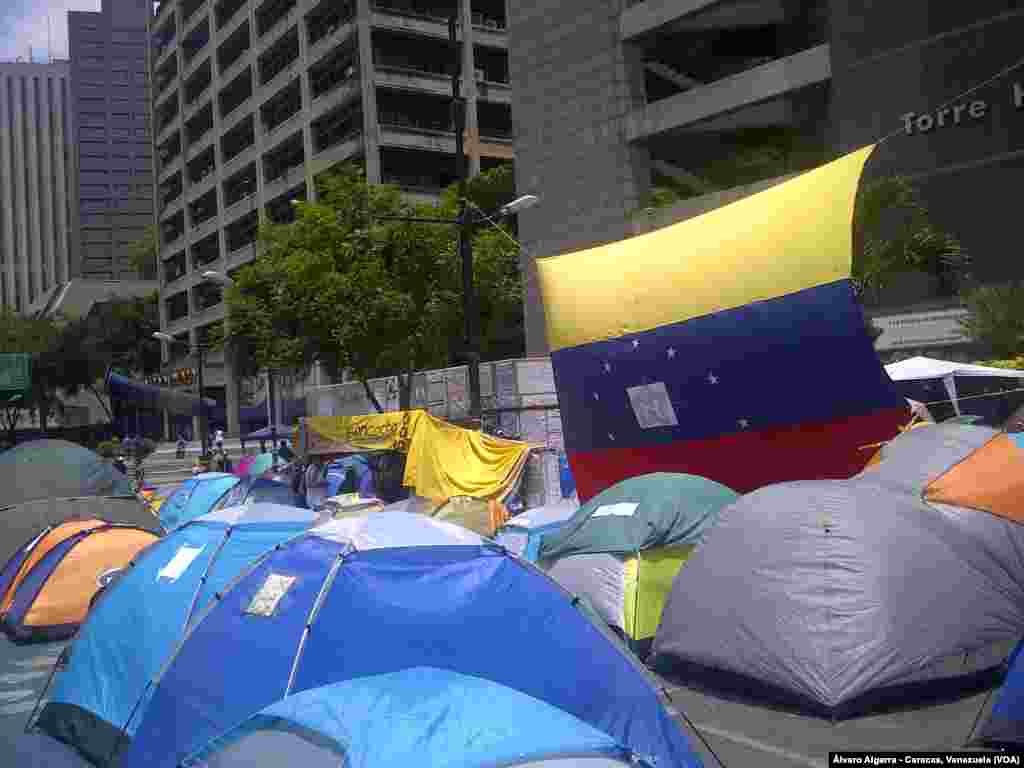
(790,237)
(443,460)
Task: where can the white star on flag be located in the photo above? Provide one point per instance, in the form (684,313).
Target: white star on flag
(635,343)
(671,352)
(744,423)
(597,396)
(712,378)
(611,436)
(607,367)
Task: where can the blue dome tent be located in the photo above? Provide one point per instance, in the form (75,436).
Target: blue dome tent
(1004,726)
(441,612)
(195,497)
(252,490)
(134,627)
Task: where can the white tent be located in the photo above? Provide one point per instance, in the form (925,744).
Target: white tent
(927,368)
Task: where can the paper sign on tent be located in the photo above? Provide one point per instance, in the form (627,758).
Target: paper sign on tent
(179,563)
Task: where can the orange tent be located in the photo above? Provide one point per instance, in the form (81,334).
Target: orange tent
(47,586)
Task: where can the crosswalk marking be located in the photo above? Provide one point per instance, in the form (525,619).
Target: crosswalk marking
(21,708)
(19,693)
(38,661)
(22,677)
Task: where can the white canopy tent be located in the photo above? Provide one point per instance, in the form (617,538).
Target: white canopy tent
(927,368)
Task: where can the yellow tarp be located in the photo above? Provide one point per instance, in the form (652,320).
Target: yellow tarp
(790,237)
(442,460)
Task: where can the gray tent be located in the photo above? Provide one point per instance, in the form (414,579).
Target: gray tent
(20,523)
(836,597)
(43,469)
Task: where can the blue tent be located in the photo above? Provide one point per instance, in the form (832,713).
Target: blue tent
(523,534)
(443,617)
(132,630)
(261,489)
(1004,726)
(195,497)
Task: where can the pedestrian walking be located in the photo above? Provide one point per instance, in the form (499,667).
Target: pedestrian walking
(218,439)
(181,445)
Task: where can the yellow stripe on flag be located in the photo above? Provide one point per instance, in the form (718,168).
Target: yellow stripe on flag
(793,236)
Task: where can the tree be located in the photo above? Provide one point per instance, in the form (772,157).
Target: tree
(114,333)
(344,286)
(143,254)
(996,317)
(34,336)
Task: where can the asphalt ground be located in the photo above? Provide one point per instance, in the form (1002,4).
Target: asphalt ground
(725,733)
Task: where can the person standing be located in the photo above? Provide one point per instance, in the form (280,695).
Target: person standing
(218,439)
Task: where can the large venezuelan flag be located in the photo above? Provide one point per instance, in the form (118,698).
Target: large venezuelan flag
(729,345)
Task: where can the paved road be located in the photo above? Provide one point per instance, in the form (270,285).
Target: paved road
(24,671)
(739,735)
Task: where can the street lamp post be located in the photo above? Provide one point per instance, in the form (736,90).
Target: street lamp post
(197,349)
(225,280)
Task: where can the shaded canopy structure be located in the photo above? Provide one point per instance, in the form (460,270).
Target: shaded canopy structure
(843,597)
(959,389)
(43,469)
(474,612)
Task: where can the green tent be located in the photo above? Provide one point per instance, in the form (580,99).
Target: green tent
(662,509)
(621,551)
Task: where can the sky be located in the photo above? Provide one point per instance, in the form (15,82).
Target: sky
(23,24)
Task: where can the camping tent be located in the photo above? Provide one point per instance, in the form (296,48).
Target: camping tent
(427,595)
(1004,725)
(257,489)
(942,385)
(623,548)
(43,469)
(840,597)
(422,715)
(195,497)
(54,577)
(522,535)
(23,522)
(133,629)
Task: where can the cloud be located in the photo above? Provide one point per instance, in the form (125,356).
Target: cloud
(23,24)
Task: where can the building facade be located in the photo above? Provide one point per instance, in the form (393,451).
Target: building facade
(717,99)
(115,153)
(37,216)
(254,99)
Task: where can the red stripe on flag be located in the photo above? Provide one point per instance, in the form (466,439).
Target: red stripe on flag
(745,461)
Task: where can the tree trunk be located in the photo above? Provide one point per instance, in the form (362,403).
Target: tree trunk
(371,396)
(405,389)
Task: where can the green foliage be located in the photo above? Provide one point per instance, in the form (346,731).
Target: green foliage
(1014,364)
(36,336)
(346,286)
(996,318)
(895,235)
(143,254)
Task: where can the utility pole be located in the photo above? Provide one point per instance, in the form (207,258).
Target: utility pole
(465,226)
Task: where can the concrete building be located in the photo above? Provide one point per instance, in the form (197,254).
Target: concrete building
(717,99)
(254,99)
(37,216)
(115,153)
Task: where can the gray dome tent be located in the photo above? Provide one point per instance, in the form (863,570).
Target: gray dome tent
(839,597)
(47,469)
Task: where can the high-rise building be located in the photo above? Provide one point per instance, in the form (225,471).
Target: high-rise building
(253,99)
(115,155)
(37,220)
(717,99)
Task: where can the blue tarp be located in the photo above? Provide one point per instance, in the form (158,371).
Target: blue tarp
(467,608)
(283,433)
(194,497)
(134,627)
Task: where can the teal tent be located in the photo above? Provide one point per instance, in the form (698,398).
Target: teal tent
(47,469)
(662,509)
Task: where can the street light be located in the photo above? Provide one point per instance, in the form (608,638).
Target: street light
(198,351)
(225,280)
